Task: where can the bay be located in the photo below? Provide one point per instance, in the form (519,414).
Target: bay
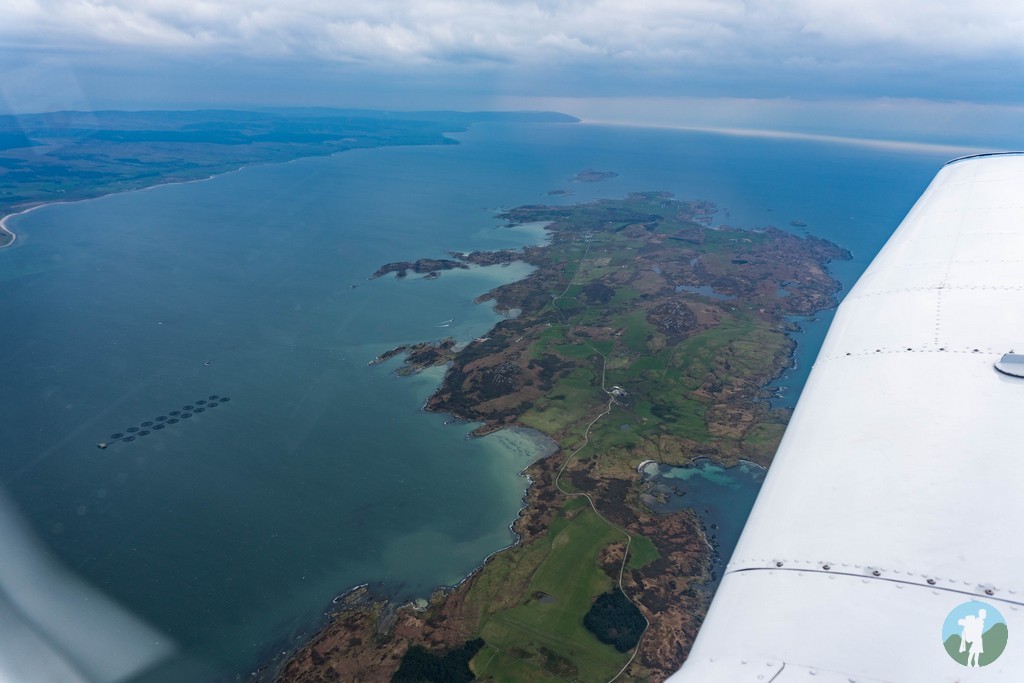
(722,498)
(232,530)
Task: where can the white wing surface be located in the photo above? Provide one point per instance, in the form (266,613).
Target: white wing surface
(898,490)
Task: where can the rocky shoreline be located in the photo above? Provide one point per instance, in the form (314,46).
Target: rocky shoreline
(689,374)
(432,268)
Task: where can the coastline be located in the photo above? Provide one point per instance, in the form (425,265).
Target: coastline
(369,602)
(162,182)
(26,234)
(385,608)
(493,381)
(525,508)
(95,193)
(6,230)
(39,205)
(445,132)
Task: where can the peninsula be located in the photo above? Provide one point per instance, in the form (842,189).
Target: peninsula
(644,333)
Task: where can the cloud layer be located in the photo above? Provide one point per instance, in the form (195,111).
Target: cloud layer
(533,32)
(409,54)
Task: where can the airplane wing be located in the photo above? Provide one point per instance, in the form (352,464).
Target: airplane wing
(897,494)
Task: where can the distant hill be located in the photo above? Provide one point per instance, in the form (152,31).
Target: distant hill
(994,640)
(467,117)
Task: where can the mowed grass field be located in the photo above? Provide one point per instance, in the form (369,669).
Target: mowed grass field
(544,590)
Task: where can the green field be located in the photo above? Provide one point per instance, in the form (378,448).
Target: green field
(546,588)
(633,364)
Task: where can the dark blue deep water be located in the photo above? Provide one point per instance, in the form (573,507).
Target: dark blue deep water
(231,530)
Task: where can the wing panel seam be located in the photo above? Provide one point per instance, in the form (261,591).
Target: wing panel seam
(865,578)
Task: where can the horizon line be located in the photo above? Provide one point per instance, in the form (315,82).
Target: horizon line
(765,133)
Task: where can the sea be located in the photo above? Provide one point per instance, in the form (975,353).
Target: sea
(721,496)
(232,529)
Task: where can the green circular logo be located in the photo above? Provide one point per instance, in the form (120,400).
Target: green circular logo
(974,634)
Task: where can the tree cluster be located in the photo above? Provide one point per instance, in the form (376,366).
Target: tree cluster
(615,621)
(420,665)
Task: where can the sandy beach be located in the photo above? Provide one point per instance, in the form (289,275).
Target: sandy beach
(7,237)
(10,234)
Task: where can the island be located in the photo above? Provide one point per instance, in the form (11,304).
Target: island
(591,176)
(645,333)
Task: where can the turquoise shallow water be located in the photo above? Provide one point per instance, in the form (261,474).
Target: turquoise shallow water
(721,497)
(232,530)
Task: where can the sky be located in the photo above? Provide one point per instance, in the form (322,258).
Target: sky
(922,69)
